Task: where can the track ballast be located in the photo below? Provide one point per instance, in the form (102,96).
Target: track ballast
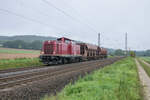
(40,81)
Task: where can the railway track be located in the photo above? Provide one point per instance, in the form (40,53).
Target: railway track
(40,69)
(56,76)
(13,70)
(12,80)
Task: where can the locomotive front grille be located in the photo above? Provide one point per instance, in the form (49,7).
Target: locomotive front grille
(49,49)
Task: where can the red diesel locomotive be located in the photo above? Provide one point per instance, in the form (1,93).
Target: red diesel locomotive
(64,50)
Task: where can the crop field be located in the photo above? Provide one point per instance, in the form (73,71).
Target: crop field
(7,53)
(19,62)
(118,81)
(14,51)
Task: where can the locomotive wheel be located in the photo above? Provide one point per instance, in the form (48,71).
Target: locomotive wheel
(65,61)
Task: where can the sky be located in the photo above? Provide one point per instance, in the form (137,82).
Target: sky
(80,20)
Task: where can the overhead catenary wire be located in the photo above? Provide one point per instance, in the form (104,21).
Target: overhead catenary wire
(31,7)
(29,19)
(66,14)
(42,13)
(41,22)
(22,16)
(83,18)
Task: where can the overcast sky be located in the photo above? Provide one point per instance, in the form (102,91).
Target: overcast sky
(80,20)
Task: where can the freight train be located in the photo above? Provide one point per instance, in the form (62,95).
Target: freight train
(64,50)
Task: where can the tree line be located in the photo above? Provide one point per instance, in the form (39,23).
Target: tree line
(145,53)
(37,45)
(19,44)
(120,52)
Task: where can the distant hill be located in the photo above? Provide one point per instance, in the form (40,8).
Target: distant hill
(30,44)
(31,38)
(26,38)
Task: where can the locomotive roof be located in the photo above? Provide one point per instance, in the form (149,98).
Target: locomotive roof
(64,38)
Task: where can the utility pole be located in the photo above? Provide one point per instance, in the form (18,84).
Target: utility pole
(99,39)
(126,44)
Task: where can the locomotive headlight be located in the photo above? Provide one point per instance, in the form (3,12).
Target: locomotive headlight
(41,52)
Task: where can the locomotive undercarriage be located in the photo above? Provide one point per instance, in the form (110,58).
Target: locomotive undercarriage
(49,59)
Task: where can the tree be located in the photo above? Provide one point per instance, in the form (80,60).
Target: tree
(132,54)
(37,45)
(19,44)
(147,53)
(119,52)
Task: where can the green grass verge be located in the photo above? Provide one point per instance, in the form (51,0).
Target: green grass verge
(110,56)
(19,62)
(147,59)
(14,51)
(118,81)
(146,68)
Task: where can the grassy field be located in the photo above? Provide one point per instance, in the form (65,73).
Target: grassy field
(15,51)
(18,63)
(118,81)
(146,68)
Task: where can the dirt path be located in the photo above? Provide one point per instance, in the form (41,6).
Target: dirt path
(145,80)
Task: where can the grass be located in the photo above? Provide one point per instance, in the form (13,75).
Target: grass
(118,81)
(15,51)
(110,56)
(19,62)
(146,68)
(147,59)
